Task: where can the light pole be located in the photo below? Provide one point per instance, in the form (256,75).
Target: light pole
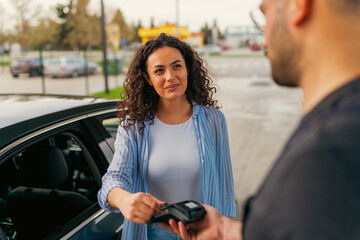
(177,19)
(103,37)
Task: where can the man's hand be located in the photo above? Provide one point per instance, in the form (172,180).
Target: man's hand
(212,226)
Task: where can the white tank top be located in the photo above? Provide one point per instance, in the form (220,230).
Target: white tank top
(174,171)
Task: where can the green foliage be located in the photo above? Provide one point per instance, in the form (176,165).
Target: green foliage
(135,36)
(45,33)
(25,12)
(5,63)
(125,31)
(74,28)
(84,29)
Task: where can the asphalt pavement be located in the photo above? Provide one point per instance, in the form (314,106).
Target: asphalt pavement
(260,115)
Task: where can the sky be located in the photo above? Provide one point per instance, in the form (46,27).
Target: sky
(192,13)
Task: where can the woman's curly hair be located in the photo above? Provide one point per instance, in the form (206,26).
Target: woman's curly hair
(139,100)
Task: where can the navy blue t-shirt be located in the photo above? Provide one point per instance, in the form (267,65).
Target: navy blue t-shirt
(313,190)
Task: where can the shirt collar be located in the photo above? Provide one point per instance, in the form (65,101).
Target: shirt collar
(197,110)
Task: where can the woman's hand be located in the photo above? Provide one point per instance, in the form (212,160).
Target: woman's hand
(135,207)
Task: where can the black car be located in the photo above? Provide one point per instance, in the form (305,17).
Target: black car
(29,66)
(53,152)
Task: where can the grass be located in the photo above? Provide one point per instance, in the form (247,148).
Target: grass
(6,63)
(113,93)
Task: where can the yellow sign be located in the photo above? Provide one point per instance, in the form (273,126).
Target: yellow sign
(170,29)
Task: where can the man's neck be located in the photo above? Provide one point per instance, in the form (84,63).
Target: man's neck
(332,60)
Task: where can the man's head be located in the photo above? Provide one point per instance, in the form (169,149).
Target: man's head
(283,51)
(291,25)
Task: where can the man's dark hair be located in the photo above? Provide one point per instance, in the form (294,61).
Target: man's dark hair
(346,6)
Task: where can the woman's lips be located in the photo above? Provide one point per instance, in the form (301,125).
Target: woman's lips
(172,87)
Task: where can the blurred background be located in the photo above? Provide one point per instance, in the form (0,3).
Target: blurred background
(94,30)
(83,47)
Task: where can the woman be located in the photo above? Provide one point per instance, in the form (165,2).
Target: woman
(172,144)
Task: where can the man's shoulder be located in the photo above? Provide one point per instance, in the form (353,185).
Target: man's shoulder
(333,127)
(313,185)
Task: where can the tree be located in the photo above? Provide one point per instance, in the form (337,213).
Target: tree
(152,22)
(45,33)
(134,29)
(205,29)
(25,13)
(125,31)
(2,33)
(83,29)
(220,35)
(63,11)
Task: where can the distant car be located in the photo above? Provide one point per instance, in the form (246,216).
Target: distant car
(255,47)
(29,66)
(223,46)
(209,49)
(4,50)
(71,66)
(52,158)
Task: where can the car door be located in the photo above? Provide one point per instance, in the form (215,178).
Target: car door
(79,146)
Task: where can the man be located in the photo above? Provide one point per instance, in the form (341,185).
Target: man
(313,190)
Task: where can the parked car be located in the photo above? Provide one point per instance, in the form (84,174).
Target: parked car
(52,158)
(29,66)
(71,66)
(255,47)
(209,49)
(223,46)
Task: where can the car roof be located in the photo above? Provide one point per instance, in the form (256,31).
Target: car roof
(23,113)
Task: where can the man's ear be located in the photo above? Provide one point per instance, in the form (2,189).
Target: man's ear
(300,10)
(147,78)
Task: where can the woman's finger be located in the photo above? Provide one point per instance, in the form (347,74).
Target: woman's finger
(152,202)
(136,219)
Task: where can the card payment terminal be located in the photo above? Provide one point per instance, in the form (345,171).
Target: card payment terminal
(186,211)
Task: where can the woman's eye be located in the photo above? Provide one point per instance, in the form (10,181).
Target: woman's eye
(158,71)
(177,65)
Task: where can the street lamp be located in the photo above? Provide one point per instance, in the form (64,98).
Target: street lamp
(103,37)
(177,19)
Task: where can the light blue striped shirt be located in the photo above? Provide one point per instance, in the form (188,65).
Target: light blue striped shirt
(129,165)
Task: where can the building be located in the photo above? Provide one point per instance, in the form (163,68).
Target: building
(242,36)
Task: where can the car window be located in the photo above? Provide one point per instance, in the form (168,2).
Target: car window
(45,186)
(111,125)
(53,61)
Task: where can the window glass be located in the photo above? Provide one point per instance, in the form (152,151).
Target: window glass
(44,187)
(111,125)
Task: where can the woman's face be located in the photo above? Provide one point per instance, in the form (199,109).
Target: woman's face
(167,73)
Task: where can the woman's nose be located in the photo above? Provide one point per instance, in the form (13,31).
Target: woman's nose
(169,75)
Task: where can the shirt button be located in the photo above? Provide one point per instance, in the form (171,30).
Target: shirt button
(202,160)
(203,182)
(199,140)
